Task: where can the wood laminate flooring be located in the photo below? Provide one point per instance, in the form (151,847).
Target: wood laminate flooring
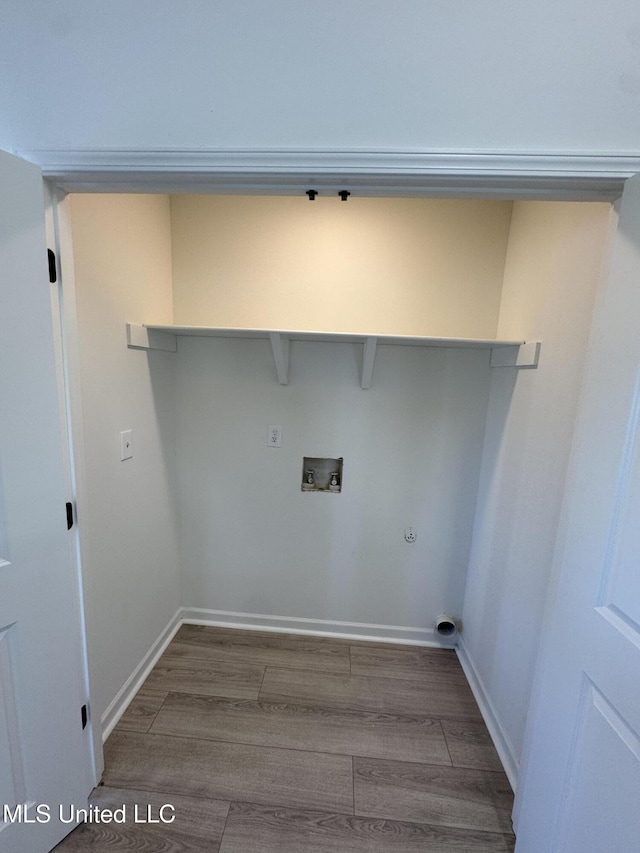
(272,743)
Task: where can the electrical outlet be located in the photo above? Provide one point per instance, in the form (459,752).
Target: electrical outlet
(274,436)
(409,534)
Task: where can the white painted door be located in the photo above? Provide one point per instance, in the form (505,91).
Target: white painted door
(43,747)
(580,791)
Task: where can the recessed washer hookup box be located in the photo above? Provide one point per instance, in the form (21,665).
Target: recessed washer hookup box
(321,474)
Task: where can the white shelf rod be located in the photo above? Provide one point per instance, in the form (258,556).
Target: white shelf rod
(280,348)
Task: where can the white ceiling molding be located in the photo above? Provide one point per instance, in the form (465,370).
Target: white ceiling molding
(363,172)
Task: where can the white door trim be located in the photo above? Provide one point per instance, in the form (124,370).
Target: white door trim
(63,313)
(488,174)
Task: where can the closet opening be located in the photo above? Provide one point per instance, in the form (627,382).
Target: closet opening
(381,331)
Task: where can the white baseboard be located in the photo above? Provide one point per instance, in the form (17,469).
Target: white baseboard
(499,737)
(121,701)
(314,627)
(260,622)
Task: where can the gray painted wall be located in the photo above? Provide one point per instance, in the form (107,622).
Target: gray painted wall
(491,75)
(253,542)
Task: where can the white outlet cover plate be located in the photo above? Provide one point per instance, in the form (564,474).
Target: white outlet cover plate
(126,444)
(274,435)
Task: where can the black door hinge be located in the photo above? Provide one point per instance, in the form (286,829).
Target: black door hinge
(84,714)
(53,271)
(69,515)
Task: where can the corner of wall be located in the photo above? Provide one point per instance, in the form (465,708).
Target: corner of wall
(128,522)
(552,271)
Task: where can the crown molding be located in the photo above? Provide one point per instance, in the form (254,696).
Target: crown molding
(365,171)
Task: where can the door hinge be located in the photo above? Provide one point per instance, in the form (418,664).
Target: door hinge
(69,507)
(53,271)
(84,714)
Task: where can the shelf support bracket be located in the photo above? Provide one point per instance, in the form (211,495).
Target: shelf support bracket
(523,356)
(368,357)
(139,337)
(280,347)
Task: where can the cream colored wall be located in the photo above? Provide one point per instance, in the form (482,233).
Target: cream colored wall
(554,257)
(122,260)
(394,266)
(552,271)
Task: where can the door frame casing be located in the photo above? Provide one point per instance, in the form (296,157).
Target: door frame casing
(371,172)
(63,311)
(488,175)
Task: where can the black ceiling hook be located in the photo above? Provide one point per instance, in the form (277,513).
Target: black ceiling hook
(344,194)
(312,194)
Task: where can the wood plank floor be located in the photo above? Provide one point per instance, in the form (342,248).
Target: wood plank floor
(269,743)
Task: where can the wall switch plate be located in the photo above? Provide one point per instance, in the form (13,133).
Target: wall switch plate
(126,444)
(274,435)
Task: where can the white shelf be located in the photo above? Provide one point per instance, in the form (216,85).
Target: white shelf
(503,353)
(332,337)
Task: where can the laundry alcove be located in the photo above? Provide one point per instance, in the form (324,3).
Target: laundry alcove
(208,520)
